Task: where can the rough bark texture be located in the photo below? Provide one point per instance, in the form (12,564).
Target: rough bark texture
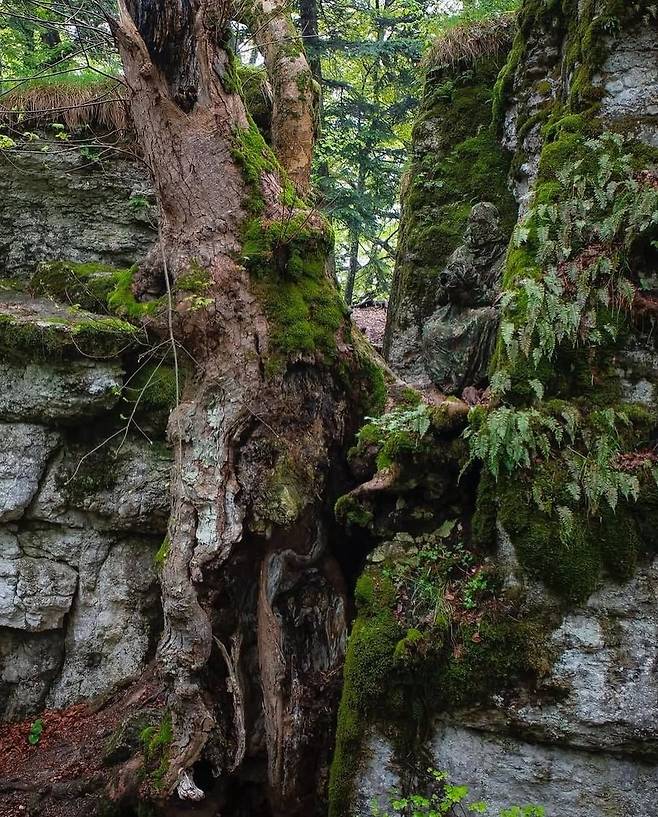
(295,90)
(253,600)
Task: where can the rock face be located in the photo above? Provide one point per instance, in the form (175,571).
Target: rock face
(80,516)
(458,338)
(62,204)
(553,699)
(449,254)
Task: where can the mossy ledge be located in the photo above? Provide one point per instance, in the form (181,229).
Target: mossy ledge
(41,330)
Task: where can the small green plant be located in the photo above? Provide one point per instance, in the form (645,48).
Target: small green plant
(474,588)
(444,798)
(138,203)
(36,729)
(414,421)
(156,741)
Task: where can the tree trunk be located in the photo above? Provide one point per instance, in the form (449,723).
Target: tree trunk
(353,264)
(296,93)
(254,603)
(308,19)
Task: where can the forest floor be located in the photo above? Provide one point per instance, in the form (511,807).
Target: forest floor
(64,772)
(371,320)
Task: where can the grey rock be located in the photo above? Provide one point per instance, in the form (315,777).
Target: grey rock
(457,345)
(28,664)
(58,205)
(638,372)
(505,771)
(379,775)
(629,77)
(62,392)
(35,594)
(126,489)
(113,624)
(458,338)
(24,451)
(98,591)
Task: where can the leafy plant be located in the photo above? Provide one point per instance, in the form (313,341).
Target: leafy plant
(36,729)
(445,799)
(414,421)
(576,251)
(570,254)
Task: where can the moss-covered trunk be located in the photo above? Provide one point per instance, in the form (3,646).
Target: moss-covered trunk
(253,598)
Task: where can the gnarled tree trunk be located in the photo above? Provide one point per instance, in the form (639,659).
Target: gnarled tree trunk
(253,599)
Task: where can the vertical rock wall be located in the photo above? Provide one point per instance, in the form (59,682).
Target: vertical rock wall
(530,674)
(62,201)
(83,506)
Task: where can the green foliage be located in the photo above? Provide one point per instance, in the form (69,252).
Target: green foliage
(64,337)
(163,551)
(156,741)
(433,632)
(349,511)
(580,242)
(444,798)
(121,301)
(34,735)
(87,285)
(565,286)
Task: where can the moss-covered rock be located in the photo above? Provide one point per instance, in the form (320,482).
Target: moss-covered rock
(37,329)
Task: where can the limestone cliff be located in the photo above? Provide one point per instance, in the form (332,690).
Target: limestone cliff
(506,628)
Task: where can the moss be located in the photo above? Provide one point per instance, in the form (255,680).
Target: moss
(58,337)
(407,648)
(154,386)
(255,158)
(373,387)
(571,567)
(369,663)
(156,742)
(493,655)
(398,678)
(349,511)
(396,445)
(257,97)
(196,281)
(304,309)
(122,300)
(457,162)
(87,285)
(163,551)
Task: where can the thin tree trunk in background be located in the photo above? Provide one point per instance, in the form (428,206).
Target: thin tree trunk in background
(355,238)
(252,595)
(308,19)
(353,265)
(295,91)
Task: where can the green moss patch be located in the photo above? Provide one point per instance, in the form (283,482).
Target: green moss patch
(457,162)
(288,262)
(40,330)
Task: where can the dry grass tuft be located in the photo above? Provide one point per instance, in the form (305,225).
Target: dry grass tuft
(97,103)
(471,41)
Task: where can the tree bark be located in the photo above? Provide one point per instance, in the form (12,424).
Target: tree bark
(296,93)
(353,267)
(253,600)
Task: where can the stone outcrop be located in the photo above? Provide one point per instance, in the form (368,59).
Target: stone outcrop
(74,204)
(543,688)
(431,338)
(83,509)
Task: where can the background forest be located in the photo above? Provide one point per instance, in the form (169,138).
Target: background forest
(365,54)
